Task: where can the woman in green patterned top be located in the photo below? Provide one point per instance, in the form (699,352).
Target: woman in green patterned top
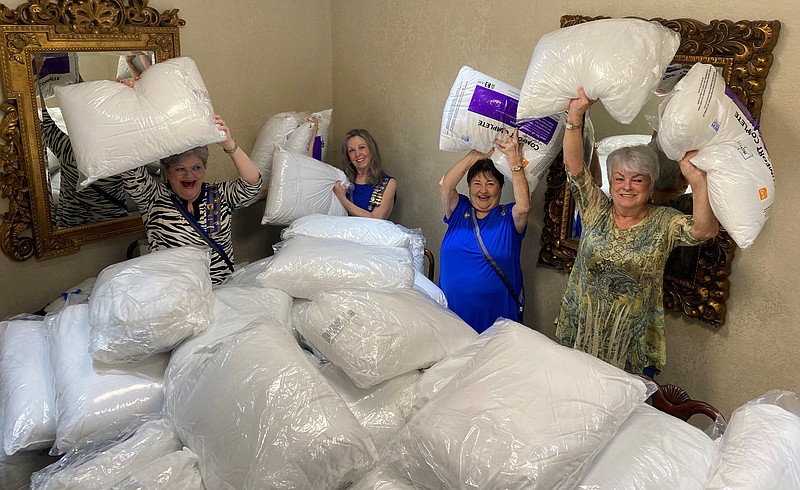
(612,307)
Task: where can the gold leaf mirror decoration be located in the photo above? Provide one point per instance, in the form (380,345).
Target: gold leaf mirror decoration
(75,33)
(696,278)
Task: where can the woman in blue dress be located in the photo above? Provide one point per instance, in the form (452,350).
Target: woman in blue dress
(480,272)
(373,192)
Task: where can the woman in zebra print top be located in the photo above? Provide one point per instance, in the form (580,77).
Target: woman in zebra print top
(186,210)
(102,200)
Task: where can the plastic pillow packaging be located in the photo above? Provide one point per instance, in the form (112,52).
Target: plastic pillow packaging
(377,334)
(479,107)
(275,131)
(702,113)
(114,128)
(299,186)
(619,61)
(258,414)
(149,304)
(524,412)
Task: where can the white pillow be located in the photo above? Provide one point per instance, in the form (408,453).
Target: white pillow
(381,409)
(174,471)
(479,106)
(368,231)
(114,128)
(524,412)
(87,401)
(272,417)
(275,131)
(619,61)
(304,266)
(375,335)
(301,185)
(701,114)
(103,468)
(26,387)
(299,140)
(653,450)
(381,479)
(422,283)
(234,308)
(759,449)
(149,304)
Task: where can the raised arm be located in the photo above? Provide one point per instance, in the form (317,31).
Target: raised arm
(573,139)
(705,223)
(512,149)
(451,178)
(244,165)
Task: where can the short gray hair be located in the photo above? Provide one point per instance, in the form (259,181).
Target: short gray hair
(640,159)
(166,163)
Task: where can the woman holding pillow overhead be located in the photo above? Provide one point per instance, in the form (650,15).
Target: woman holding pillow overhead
(612,307)
(184,209)
(480,273)
(373,192)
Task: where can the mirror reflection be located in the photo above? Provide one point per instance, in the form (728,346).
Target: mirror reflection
(105,199)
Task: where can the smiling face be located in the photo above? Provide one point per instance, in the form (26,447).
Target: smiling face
(484,192)
(630,190)
(359,154)
(186,177)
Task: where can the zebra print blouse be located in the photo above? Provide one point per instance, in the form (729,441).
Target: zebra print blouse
(104,199)
(166,227)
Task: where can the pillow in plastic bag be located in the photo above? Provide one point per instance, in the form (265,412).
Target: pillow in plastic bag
(381,409)
(234,308)
(417,246)
(524,412)
(619,61)
(259,414)
(300,139)
(759,449)
(701,113)
(87,401)
(381,479)
(26,387)
(114,128)
(87,467)
(149,304)
(368,231)
(304,266)
(479,106)
(377,334)
(653,450)
(422,283)
(291,132)
(299,186)
(274,132)
(174,471)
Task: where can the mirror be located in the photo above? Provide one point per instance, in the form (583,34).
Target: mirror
(69,38)
(104,199)
(696,278)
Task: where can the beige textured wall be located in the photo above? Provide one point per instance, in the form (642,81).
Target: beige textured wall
(257,57)
(389,70)
(394,65)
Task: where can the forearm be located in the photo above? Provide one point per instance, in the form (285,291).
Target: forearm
(451,178)
(573,146)
(705,223)
(245,167)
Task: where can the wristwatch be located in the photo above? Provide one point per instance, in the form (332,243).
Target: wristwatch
(518,168)
(572,126)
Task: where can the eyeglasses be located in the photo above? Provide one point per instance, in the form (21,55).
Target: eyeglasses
(194,169)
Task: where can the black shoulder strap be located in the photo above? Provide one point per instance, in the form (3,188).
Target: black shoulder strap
(517,297)
(200,231)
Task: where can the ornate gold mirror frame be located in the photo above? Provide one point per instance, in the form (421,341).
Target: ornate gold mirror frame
(743,50)
(60,26)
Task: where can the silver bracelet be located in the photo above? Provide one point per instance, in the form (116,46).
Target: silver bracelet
(232,150)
